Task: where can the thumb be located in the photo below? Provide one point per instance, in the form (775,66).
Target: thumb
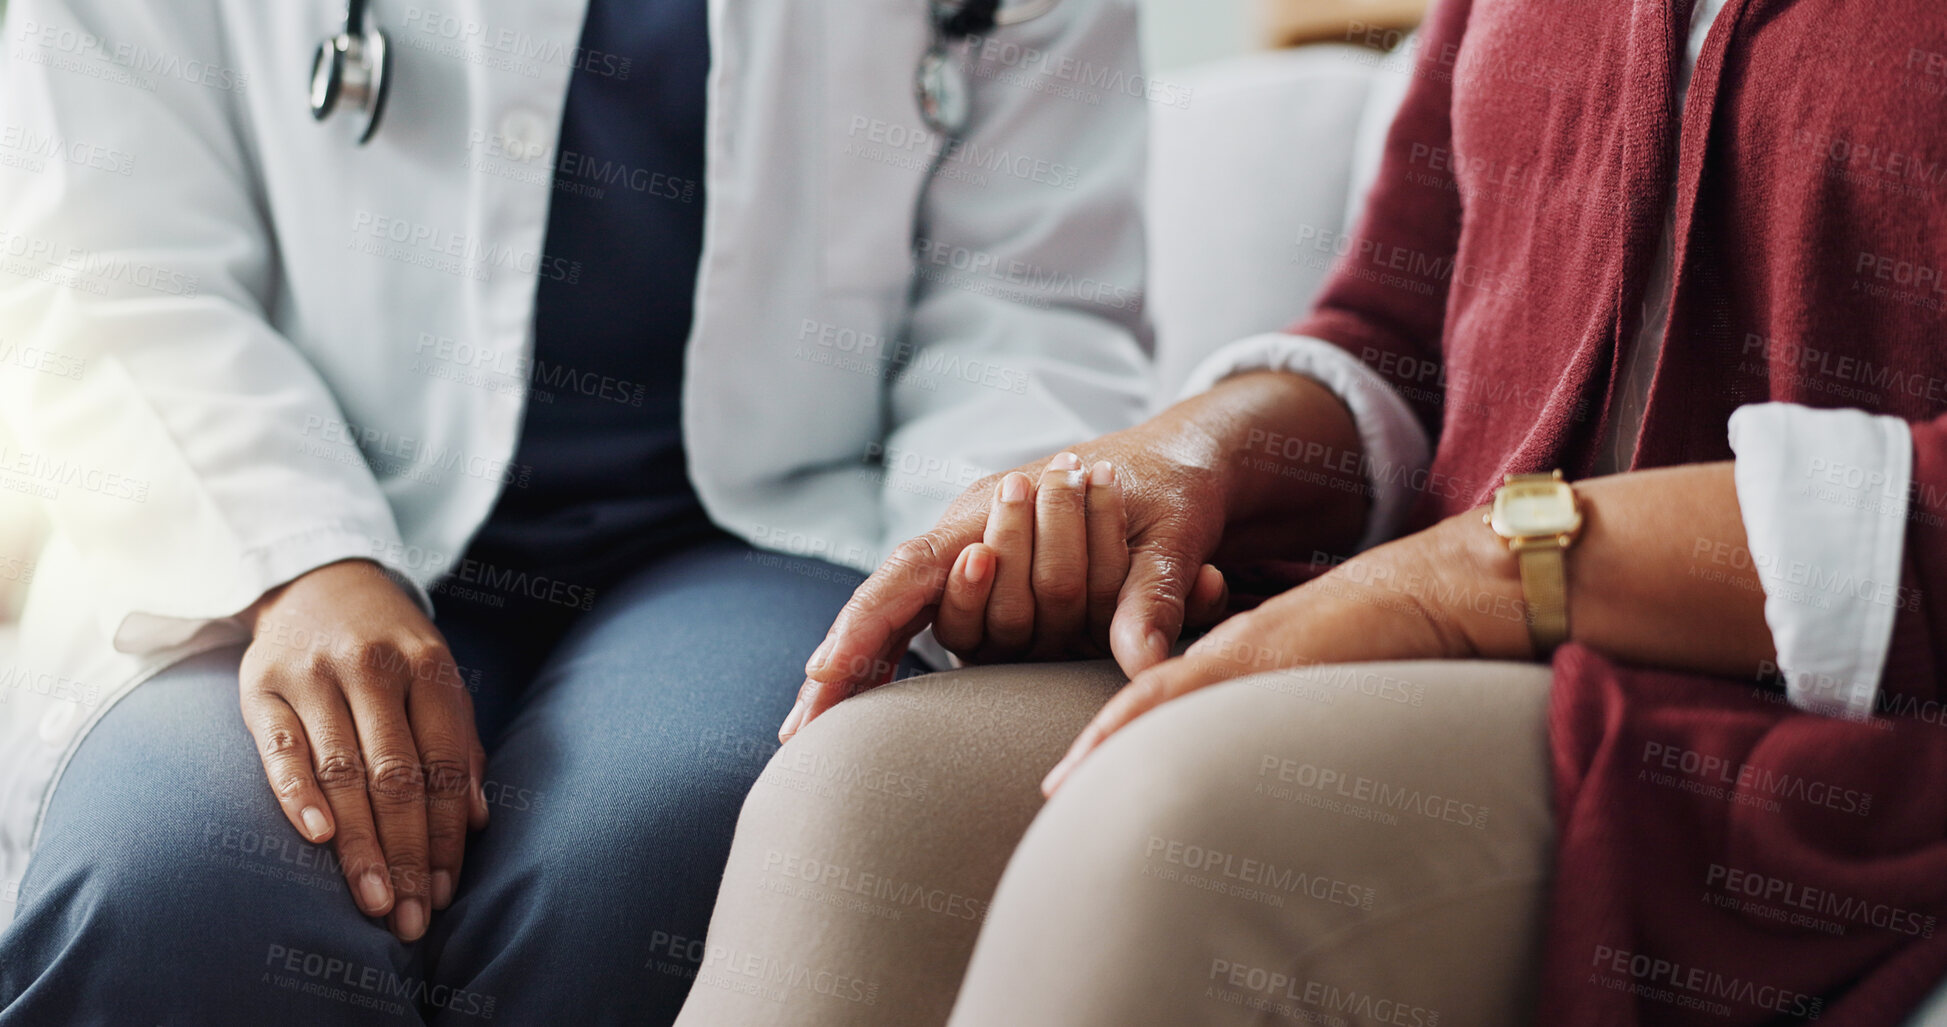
(1149,612)
(1209,600)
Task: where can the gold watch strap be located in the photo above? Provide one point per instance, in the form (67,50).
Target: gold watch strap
(1544,587)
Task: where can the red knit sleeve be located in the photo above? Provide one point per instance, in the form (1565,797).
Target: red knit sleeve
(1919,650)
(1393,325)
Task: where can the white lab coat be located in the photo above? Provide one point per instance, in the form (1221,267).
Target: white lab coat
(279,349)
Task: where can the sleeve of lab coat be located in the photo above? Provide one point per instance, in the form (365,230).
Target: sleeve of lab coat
(169,440)
(1028,331)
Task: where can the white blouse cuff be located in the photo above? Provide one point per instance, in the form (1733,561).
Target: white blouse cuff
(1823,495)
(1397,450)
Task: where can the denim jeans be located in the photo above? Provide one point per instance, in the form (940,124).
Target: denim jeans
(168,889)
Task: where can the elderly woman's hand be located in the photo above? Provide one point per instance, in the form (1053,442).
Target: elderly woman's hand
(366,733)
(1044,580)
(1448,592)
(1103,548)
(1661,577)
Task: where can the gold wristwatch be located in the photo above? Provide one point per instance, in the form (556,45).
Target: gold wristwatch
(1538,516)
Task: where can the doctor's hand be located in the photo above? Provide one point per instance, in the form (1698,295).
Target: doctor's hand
(366,733)
(1036,542)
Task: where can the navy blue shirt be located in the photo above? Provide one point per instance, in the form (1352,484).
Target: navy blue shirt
(603,431)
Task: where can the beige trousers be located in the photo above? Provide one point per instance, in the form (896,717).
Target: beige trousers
(1361,844)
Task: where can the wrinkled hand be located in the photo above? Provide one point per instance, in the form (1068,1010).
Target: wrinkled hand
(1045,578)
(1449,592)
(1027,562)
(366,733)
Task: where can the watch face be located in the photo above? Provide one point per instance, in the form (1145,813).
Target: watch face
(1539,508)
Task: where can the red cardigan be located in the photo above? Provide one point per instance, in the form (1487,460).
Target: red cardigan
(1722,858)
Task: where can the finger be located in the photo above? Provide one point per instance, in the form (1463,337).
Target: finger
(477,814)
(441,718)
(1059,577)
(1108,548)
(340,773)
(398,792)
(1010,534)
(287,764)
(816,697)
(1149,611)
(903,590)
(961,622)
(1147,691)
(1209,598)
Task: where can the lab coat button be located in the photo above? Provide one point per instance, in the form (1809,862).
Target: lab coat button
(524,134)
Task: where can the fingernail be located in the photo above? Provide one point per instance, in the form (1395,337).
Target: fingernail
(442,889)
(979,564)
(791,722)
(372,886)
(411,919)
(1014,488)
(1157,645)
(817,661)
(315,823)
(1065,462)
(1056,776)
(1102,474)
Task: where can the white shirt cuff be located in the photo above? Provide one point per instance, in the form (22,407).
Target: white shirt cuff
(1397,450)
(1823,495)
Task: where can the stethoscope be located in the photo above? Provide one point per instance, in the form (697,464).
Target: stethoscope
(350,67)
(940,84)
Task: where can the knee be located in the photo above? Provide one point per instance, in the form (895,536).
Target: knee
(870,764)
(147,882)
(958,740)
(884,745)
(155,850)
(1200,770)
